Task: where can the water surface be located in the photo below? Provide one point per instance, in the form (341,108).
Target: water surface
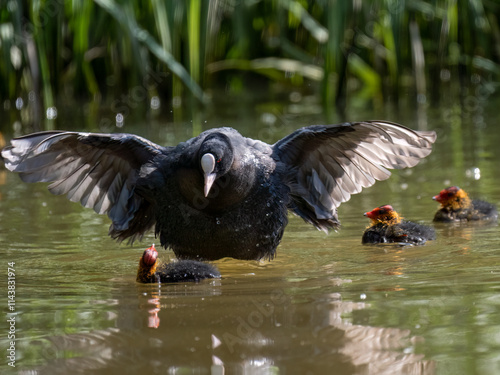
(326,304)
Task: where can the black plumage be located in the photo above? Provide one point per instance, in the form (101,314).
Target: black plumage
(219,194)
(152,271)
(404,232)
(388,227)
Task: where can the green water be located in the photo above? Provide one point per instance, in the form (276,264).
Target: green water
(326,304)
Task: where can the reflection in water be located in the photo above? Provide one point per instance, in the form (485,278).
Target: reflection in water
(394,254)
(153,319)
(192,329)
(461,233)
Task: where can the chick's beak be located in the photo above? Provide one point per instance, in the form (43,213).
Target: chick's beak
(369,214)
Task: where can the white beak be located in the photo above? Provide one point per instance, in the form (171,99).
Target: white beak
(208,166)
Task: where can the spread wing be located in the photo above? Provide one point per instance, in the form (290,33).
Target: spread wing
(97,170)
(326,164)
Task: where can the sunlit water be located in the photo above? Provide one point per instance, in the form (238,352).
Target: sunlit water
(326,304)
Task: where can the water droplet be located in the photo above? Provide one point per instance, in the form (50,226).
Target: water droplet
(474,173)
(119,120)
(155,102)
(268,118)
(362,296)
(19,103)
(51,113)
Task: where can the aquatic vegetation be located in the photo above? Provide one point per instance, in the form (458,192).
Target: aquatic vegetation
(371,51)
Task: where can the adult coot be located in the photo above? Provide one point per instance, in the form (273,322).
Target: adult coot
(388,226)
(150,271)
(219,194)
(457,206)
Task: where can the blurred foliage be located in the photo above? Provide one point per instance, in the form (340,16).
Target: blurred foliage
(120,53)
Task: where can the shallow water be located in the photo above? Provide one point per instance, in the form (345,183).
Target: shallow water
(326,304)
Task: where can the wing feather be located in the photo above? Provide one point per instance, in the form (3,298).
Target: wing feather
(97,170)
(327,164)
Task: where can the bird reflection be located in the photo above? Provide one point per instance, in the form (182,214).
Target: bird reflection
(238,326)
(153,307)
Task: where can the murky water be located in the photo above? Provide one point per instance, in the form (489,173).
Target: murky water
(326,304)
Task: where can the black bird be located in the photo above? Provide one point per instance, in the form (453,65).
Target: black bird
(150,270)
(218,194)
(457,206)
(387,226)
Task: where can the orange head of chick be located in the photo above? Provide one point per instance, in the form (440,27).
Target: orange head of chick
(383,214)
(453,198)
(147,265)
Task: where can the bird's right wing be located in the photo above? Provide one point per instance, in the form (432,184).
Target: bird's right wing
(97,170)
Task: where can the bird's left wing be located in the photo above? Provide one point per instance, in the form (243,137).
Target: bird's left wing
(326,164)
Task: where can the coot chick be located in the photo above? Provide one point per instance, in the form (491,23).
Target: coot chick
(218,194)
(388,226)
(150,271)
(457,206)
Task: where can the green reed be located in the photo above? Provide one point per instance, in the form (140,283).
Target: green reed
(369,50)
